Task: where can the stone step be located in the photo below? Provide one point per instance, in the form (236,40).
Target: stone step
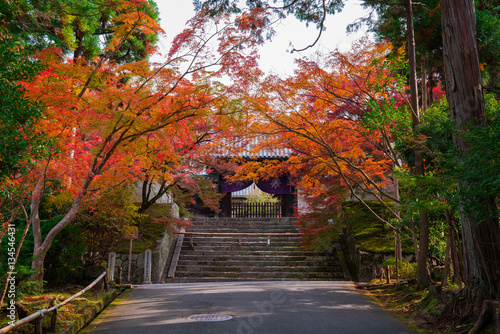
(238,249)
(194,268)
(246,220)
(252,255)
(231,260)
(222,258)
(243,221)
(333,262)
(233,224)
(242,226)
(268,251)
(245,245)
(242,231)
(241,279)
(233,239)
(236,260)
(260,274)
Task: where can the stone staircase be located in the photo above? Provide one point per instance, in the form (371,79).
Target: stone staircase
(217,258)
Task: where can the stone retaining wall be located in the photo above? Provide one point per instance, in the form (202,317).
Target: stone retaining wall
(158,259)
(364,266)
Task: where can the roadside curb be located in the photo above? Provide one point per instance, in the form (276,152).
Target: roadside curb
(85,329)
(91,314)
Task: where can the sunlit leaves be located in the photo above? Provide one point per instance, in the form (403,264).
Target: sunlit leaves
(318,114)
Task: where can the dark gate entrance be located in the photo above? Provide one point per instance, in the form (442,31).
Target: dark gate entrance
(281,187)
(256,210)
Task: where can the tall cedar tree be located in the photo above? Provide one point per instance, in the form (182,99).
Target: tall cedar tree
(481,233)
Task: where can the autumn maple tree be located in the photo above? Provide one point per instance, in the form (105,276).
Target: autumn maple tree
(110,120)
(317,114)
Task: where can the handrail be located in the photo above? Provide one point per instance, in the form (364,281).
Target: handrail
(239,235)
(41,313)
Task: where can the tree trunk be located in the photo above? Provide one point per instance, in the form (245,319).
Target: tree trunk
(398,249)
(414,240)
(457,270)
(40,251)
(79,45)
(16,256)
(447,259)
(481,239)
(412,62)
(423,275)
(41,246)
(37,265)
(425,100)
(490,313)
(147,190)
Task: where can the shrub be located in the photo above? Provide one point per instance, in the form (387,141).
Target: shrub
(104,221)
(406,270)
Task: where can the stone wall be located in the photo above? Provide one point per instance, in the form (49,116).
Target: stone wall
(351,252)
(158,259)
(136,270)
(364,266)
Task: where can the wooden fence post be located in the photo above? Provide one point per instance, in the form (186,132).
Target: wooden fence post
(38,325)
(53,317)
(105,285)
(119,274)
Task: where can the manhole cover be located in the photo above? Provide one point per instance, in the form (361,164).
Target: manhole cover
(209,317)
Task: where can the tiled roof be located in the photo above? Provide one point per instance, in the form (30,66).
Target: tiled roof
(254,148)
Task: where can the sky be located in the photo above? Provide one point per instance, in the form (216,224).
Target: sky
(275,56)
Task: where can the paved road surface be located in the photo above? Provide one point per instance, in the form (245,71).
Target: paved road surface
(256,308)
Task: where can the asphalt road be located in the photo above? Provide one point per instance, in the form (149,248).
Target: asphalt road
(255,308)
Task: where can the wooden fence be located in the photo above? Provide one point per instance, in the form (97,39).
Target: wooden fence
(255,210)
(37,317)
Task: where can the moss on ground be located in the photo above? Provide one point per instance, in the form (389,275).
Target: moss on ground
(118,301)
(67,314)
(420,310)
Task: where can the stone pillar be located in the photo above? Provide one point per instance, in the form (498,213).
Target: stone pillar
(147,267)
(111,266)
